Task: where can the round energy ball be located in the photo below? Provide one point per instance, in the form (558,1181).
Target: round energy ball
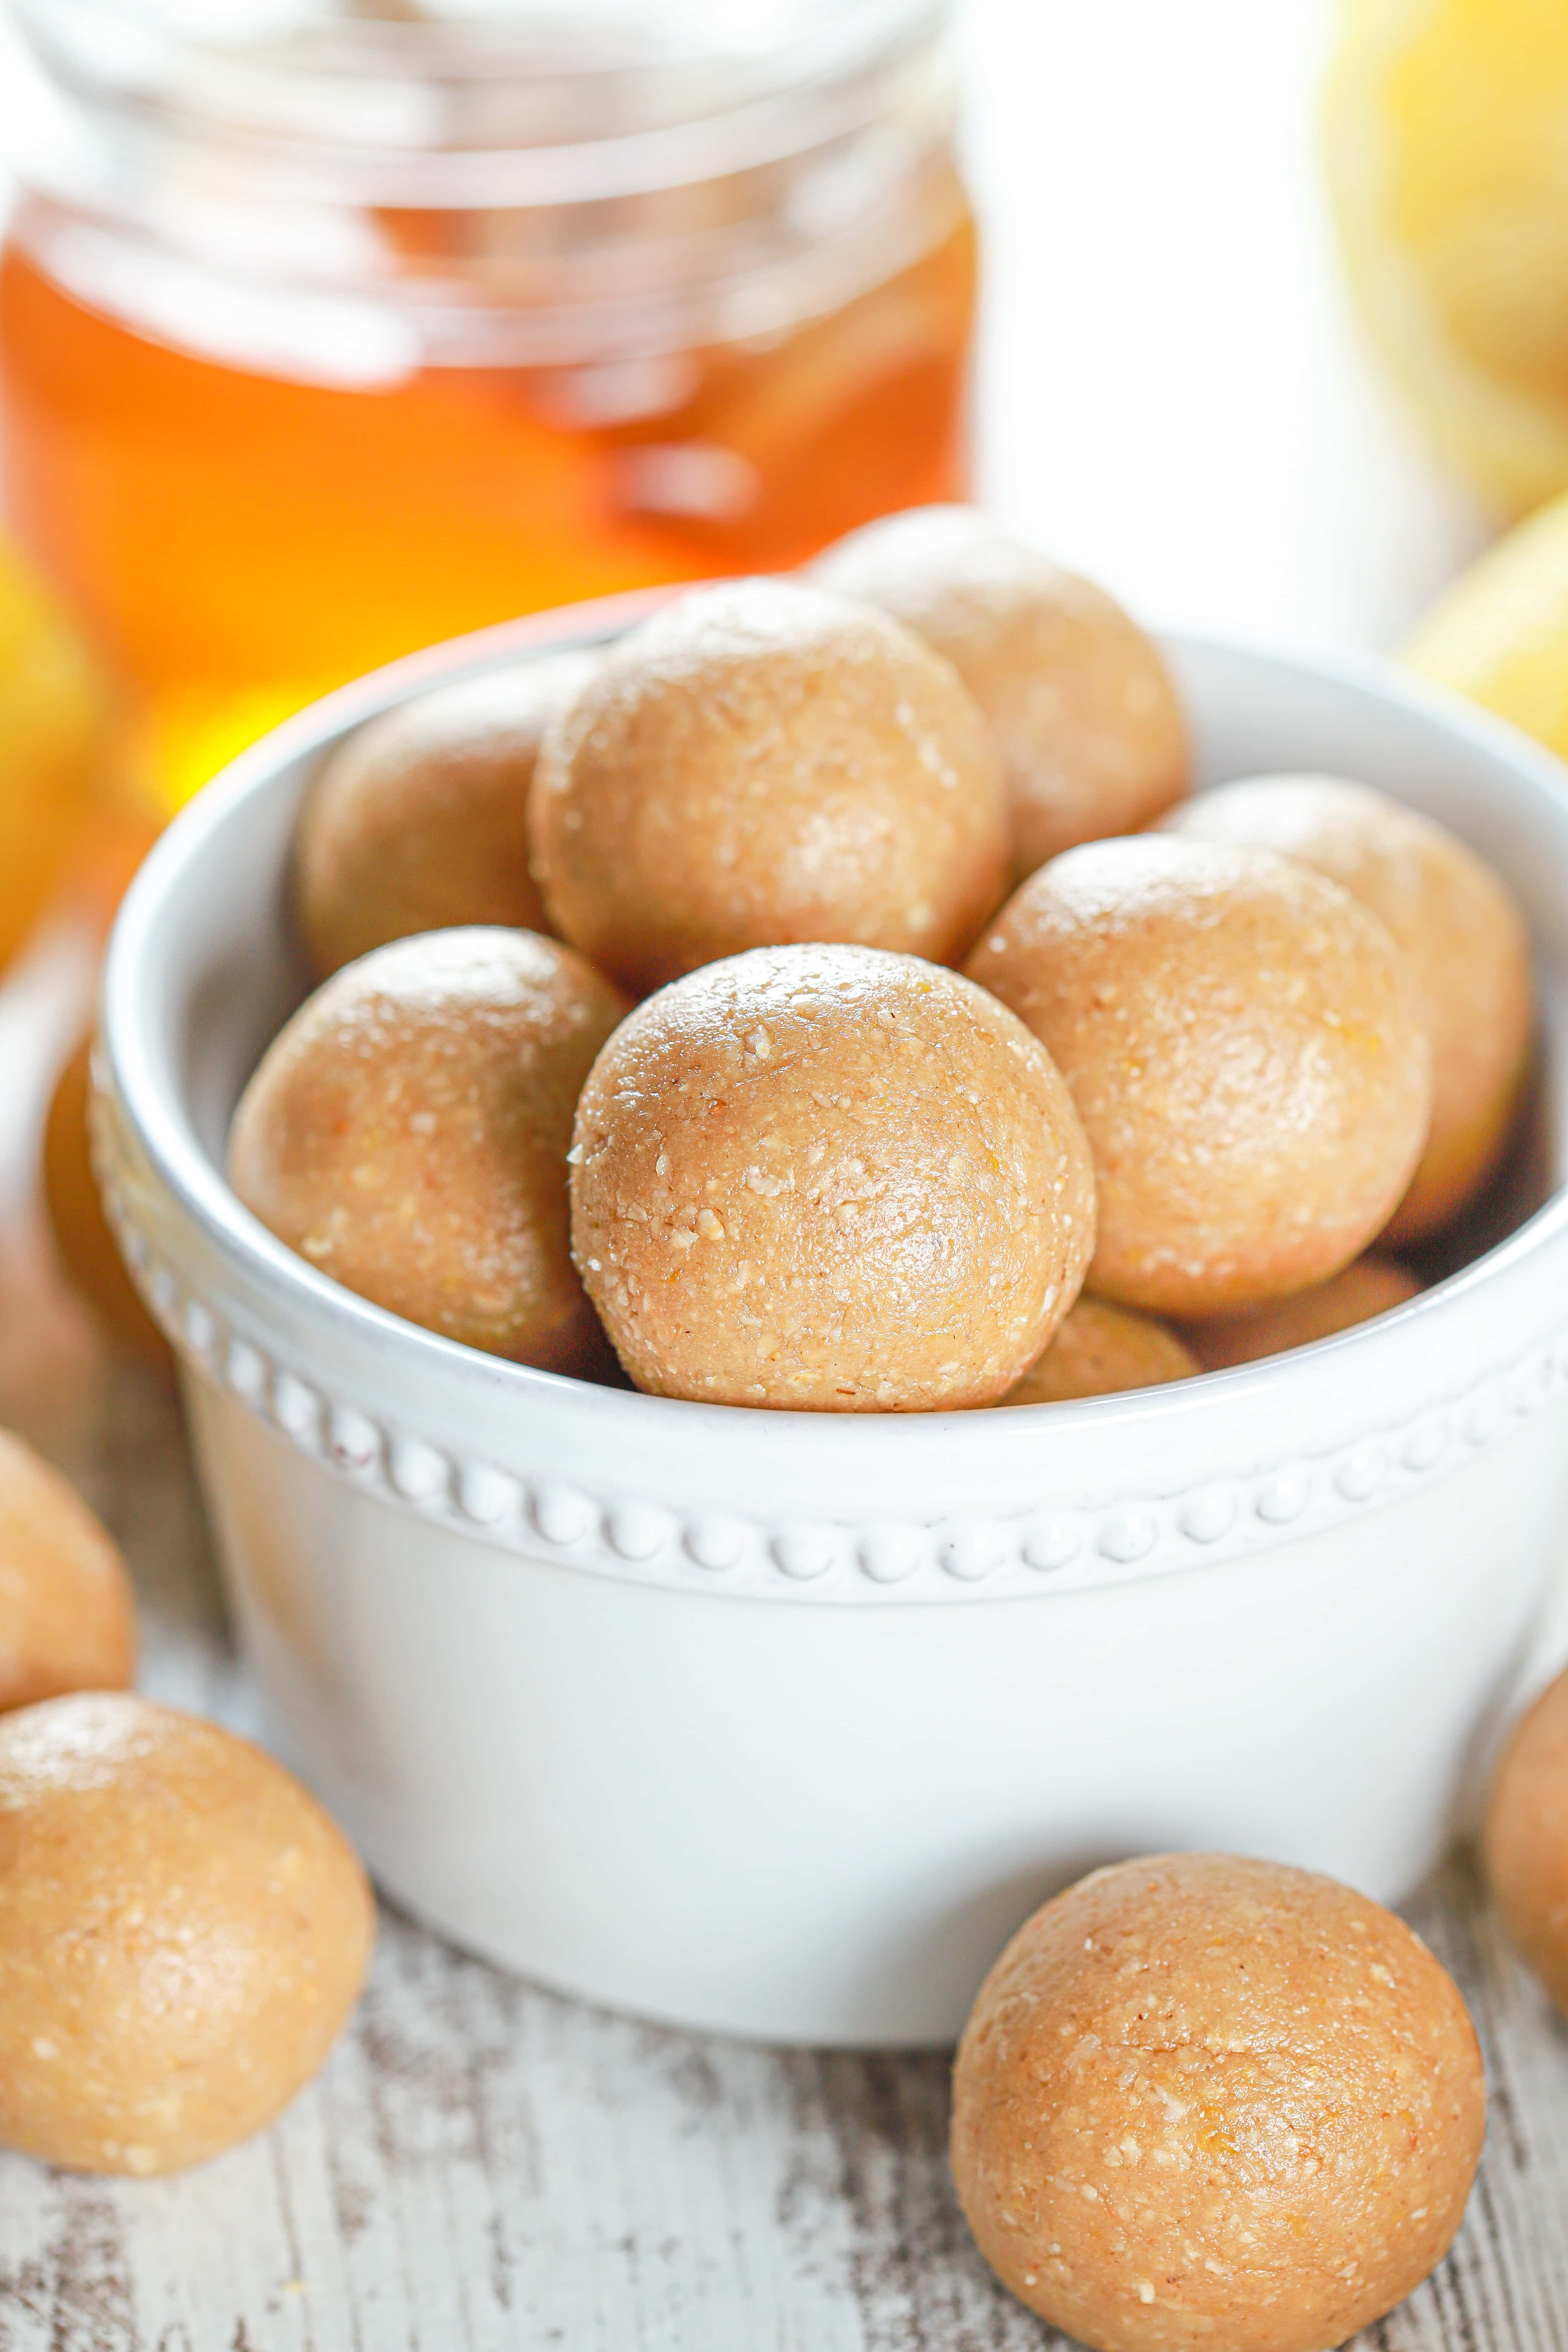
(88,1255)
(1205,2102)
(1100,1348)
(1244,1052)
(419,822)
(1369,1285)
(68,1621)
(407,1133)
(829,1179)
(761,763)
(1081,706)
(183,1935)
(1460,932)
(1526,1839)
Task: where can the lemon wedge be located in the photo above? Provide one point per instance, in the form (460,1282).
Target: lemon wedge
(1500,634)
(1446,132)
(52,743)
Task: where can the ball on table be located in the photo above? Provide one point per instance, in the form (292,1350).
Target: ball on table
(1206,2102)
(182,1934)
(1081,706)
(67,1619)
(761,764)
(407,1132)
(1460,932)
(1526,1838)
(829,1179)
(88,1255)
(1242,1043)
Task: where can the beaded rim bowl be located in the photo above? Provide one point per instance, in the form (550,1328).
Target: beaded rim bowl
(808,1507)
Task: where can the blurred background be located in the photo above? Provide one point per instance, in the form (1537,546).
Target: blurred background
(328,330)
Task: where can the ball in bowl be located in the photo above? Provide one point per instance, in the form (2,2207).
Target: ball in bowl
(1369,1285)
(406,1132)
(1461,934)
(1099,1349)
(764,763)
(1083,709)
(1203,2102)
(829,1179)
(419,821)
(182,1934)
(1242,1043)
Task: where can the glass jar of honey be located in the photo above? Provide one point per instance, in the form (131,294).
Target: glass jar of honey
(331,328)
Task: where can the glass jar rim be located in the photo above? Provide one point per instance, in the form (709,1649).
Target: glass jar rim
(510,103)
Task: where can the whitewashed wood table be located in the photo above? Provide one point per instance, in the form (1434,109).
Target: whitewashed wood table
(484,2165)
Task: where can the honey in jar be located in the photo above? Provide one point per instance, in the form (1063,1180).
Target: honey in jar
(328,330)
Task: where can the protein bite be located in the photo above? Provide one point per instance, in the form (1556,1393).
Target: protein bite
(1526,1839)
(419,822)
(183,1935)
(1245,1051)
(1370,1286)
(1206,2102)
(407,1133)
(1100,1348)
(1082,708)
(68,1621)
(1462,936)
(829,1179)
(762,763)
(88,1255)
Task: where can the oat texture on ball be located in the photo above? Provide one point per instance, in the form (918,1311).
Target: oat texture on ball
(828,1178)
(1099,1349)
(764,763)
(1463,938)
(1082,708)
(1526,1839)
(183,1935)
(1242,1043)
(419,821)
(1207,2103)
(68,1621)
(407,1134)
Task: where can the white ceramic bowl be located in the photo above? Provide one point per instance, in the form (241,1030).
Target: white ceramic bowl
(778,1724)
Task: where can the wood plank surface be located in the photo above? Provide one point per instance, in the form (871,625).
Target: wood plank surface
(484,2165)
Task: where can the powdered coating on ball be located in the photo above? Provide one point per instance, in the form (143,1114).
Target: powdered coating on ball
(183,1935)
(407,1133)
(764,763)
(1206,2102)
(419,821)
(1244,1052)
(1099,1349)
(1526,1838)
(67,1619)
(1462,936)
(1082,708)
(828,1178)
(1371,1285)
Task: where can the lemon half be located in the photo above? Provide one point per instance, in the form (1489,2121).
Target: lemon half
(1447,124)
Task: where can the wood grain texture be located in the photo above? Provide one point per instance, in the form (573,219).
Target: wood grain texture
(484,2165)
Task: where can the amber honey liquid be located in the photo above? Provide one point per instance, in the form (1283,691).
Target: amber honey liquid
(238,543)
